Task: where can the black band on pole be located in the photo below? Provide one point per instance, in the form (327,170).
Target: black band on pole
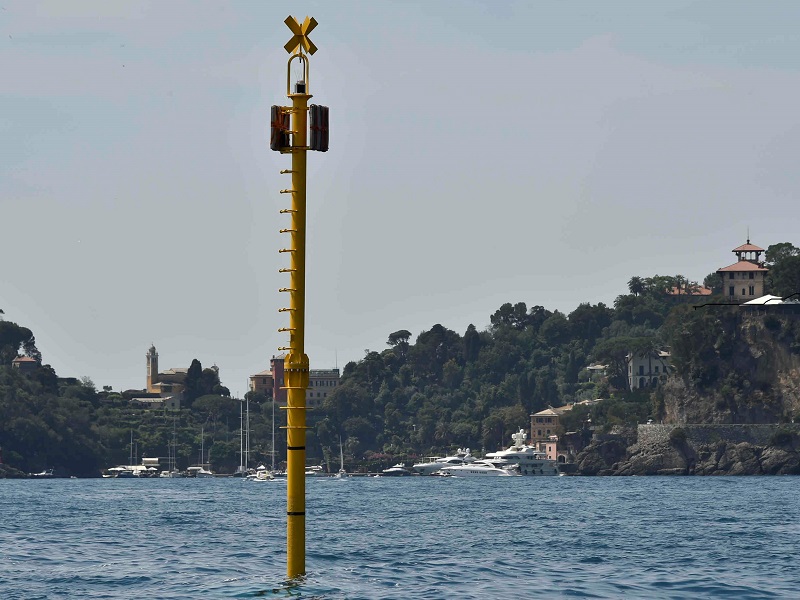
(301,513)
(295,447)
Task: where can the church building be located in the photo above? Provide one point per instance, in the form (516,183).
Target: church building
(166,383)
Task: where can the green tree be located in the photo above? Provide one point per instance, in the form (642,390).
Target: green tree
(713,281)
(193,384)
(13,338)
(783,261)
(472,343)
(778,252)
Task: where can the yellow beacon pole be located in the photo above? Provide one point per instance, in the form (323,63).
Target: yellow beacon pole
(293,121)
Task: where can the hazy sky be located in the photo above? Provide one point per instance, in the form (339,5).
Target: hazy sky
(480,153)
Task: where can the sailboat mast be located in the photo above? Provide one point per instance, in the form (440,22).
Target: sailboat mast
(241,437)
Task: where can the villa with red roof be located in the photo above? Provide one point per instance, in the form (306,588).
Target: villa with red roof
(744,280)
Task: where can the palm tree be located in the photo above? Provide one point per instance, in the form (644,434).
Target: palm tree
(636,286)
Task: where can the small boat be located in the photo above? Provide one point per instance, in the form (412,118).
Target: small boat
(121,472)
(342,472)
(174,474)
(315,471)
(46,474)
(199,472)
(261,474)
(398,470)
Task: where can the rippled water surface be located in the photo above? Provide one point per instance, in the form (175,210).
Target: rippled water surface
(639,537)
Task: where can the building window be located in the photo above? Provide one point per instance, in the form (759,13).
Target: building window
(656,369)
(752,290)
(752,275)
(730,291)
(730,275)
(743,292)
(641,369)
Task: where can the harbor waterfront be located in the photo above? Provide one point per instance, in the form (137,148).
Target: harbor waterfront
(411,537)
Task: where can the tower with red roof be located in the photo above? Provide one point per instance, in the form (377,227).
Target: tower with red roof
(744,280)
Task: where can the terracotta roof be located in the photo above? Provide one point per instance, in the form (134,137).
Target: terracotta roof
(21,359)
(743,265)
(175,371)
(698,291)
(748,247)
(263,374)
(548,412)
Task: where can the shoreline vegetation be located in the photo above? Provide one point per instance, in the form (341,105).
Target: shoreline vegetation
(728,366)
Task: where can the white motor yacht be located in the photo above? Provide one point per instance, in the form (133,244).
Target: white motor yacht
(480,468)
(433,464)
(526,458)
(315,471)
(398,470)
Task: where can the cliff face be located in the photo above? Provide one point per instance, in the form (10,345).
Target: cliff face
(697,450)
(732,412)
(757,378)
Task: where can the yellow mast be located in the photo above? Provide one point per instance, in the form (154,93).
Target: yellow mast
(296,362)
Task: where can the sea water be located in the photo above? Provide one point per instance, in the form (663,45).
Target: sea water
(412,537)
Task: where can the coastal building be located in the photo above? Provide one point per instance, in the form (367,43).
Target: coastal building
(172,402)
(321,382)
(545,427)
(25,364)
(544,424)
(647,369)
(744,280)
(596,371)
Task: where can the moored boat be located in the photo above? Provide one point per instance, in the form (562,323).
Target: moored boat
(433,464)
(481,468)
(398,470)
(261,474)
(46,474)
(199,472)
(525,457)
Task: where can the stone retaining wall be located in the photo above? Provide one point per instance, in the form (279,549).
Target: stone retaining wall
(759,435)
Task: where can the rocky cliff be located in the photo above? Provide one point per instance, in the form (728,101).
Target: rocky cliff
(687,454)
(731,414)
(750,373)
